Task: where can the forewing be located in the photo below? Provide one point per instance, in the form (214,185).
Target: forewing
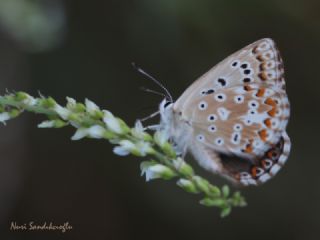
(258,63)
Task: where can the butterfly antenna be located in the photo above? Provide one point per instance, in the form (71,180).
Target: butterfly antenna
(168,95)
(153,91)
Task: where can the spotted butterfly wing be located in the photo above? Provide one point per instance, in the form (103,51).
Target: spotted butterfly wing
(235,115)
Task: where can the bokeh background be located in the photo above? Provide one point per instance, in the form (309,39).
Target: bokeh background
(85,49)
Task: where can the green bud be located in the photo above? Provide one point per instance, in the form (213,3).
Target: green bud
(108,135)
(216,202)
(182,167)
(47,102)
(202,184)
(225,212)
(123,126)
(161,140)
(20,96)
(168,150)
(97,114)
(73,117)
(214,191)
(225,191)
(187,185)
(79,107)
(59,123)
(141,135)
(14,113)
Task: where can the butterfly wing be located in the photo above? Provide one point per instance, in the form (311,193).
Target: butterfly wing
(259,62)
(239,108)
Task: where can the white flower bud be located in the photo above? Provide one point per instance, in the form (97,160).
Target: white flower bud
(70,102)
(46,124)
(4,117)
(156,171)
(112,123)
(29,100)
(80,133)
(61,111)
(91,106)
(96,131)
(161,137)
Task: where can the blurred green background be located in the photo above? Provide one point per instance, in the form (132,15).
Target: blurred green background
(85,49)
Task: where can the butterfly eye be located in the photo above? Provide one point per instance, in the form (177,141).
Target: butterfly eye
(167,104)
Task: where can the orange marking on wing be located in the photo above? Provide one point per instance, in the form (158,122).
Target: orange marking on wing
(269,154)
(237,176)
(263,76)
(267,122)
(263,135)
(272,112)
(254,171)
(248,148)
(261,92)
(260,58)
(247,88)
(270,102)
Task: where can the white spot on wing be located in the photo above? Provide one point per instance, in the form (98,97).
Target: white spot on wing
(265,177)
(212,118)
(223,113)
(239,99)
(219,141)
(220,97)
(275,168)
(282,159)
(237,127)
(235,137)
(200,138)
(212,128)
(203,105)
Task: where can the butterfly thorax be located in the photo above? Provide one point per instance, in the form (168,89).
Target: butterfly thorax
(175,126)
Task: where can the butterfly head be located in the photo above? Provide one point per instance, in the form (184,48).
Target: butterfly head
(166,111)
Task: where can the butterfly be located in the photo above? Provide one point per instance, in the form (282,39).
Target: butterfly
(233,118)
